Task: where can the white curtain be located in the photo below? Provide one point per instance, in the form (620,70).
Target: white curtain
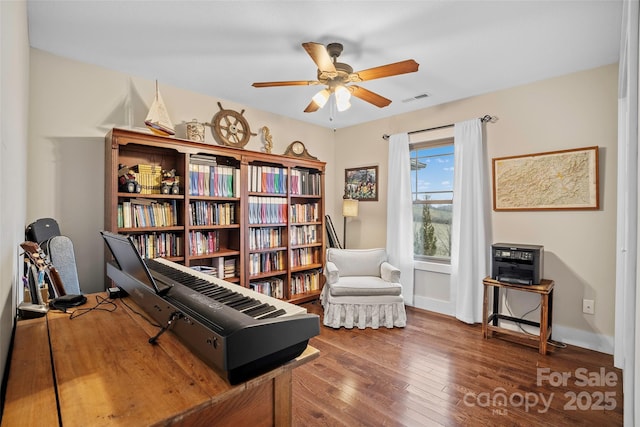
(470,227)
(400,213)
(627,316)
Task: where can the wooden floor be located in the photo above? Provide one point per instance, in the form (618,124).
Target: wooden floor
(440,371)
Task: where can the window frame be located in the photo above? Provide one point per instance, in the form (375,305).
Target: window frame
(417,145)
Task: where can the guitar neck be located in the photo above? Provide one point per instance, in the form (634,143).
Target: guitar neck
(42,262)
(56,281)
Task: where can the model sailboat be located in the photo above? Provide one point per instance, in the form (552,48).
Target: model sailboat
(158,119)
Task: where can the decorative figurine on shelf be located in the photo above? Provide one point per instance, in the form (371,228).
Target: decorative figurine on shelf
(127,182)
(268,139)
(170,182)
(158,120)
(195,131)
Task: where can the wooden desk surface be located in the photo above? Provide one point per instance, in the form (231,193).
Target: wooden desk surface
(31,398)
(108,374)
(545,286)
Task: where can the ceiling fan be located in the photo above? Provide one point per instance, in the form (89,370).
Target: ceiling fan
(336,75)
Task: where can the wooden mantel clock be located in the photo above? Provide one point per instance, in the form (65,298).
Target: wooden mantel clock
(297,149)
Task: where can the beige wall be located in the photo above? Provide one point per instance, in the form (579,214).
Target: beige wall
(75,104)
(14,81)
(576,110)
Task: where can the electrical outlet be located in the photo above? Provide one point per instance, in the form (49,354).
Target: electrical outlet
(588,306)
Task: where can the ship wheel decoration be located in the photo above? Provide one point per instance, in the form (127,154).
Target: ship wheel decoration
(230,128)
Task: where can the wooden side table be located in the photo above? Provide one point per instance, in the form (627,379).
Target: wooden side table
(490,321)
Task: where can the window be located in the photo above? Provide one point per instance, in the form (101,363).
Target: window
(432,191)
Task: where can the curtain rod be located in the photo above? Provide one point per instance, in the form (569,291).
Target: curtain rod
(483,119)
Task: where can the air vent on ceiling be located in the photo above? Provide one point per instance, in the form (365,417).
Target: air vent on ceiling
(417,97)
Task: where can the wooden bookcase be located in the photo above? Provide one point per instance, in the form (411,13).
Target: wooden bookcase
(251,218)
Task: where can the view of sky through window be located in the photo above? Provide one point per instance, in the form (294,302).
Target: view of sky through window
(432,172)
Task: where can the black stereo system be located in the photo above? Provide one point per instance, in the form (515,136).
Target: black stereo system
(517,264)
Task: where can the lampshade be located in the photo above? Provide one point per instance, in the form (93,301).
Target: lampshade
(343,96)
(349,207)
(321,98)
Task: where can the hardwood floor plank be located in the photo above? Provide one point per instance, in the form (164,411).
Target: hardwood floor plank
(440,371)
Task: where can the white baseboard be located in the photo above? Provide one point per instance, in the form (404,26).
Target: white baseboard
(435,305)
(563,334)
(584,339)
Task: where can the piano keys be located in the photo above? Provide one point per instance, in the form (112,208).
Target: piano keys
(247,301)
(235,330)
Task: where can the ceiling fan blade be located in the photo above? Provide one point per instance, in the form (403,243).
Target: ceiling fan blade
(287,83)
(312,107)
(370,97)
(402,67)
(320,56)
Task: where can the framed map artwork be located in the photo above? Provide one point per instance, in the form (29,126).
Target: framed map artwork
(555,180)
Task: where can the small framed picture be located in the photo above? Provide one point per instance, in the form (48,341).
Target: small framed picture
(361,183)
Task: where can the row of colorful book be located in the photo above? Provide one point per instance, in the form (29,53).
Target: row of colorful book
(267,179)
(273,287)
(211,213)
(204,242)
(304,182)
(303,256)
(267,210)
(147,213)
(149,177)
(304,282)
(266,262)
(213,180)
(159,245)
(304,234)
(265,238)
(304,212)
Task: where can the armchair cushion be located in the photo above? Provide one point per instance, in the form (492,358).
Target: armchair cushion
(357,262)
(364,286)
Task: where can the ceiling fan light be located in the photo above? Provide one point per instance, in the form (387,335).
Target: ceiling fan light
(342,94)
(321,98)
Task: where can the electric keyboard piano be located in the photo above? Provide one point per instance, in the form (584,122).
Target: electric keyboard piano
(237,331)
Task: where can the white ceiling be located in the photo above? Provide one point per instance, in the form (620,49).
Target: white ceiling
(219,48)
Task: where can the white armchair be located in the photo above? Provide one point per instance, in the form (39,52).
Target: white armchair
(362,289)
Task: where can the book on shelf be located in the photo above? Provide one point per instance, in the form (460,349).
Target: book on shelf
(307,281)
(302,256)
(147,213)
(266,262)
(211,213)
(303,234)
(267,210)
(204,242)
(229,266)
(207,178)
(159,245)
(265,238)
(149,177)
(304,212)
(267,179)
(206,269)
(304,182)
(273,287)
